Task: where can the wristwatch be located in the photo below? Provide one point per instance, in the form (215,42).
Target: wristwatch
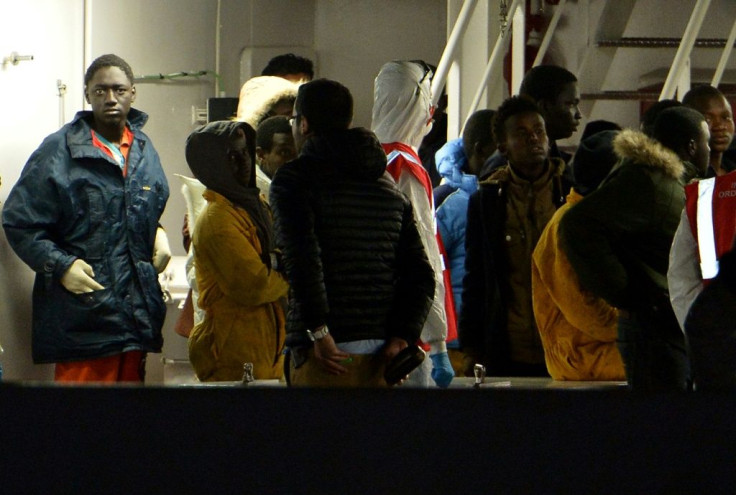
(318,334)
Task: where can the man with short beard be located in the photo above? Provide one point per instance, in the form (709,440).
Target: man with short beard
(717,112)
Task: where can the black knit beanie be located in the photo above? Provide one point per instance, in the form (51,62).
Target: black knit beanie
(593,160)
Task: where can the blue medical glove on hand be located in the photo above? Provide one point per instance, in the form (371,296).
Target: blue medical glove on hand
(442,372)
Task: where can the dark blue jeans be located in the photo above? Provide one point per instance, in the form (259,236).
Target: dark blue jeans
(653,352)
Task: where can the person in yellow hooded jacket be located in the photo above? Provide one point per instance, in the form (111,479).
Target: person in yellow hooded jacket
(239,287)
(578,330)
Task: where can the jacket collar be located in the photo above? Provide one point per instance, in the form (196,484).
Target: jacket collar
(79,137)
(573,197)
(690,173)
(636,147)
(556,168)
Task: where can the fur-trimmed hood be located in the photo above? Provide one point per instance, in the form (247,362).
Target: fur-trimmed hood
(259,94)
(637,147)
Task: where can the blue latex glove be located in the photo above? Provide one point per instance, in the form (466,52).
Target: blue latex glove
(442,372)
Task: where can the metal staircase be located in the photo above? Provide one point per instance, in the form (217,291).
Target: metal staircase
(610,50)
(612,70)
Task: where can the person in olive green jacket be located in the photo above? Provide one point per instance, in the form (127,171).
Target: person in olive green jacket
(239,287)
(618,239)
(506,216)
(578,330)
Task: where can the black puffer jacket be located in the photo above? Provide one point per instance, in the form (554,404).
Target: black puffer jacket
(351,250)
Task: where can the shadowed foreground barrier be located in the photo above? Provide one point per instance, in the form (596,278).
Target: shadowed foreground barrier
(276,440)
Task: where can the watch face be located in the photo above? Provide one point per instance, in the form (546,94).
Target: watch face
(318,335)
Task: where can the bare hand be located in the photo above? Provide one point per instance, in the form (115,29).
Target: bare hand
(329,356)
(79,278)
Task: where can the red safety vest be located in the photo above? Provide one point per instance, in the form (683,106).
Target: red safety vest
(711,211)
(403,158)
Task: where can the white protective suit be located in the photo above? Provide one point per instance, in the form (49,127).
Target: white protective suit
(401,114)
(684,278)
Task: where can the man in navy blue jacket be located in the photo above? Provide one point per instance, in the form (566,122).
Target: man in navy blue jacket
(84,215)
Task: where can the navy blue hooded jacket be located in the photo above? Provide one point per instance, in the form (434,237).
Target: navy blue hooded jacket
(70,202)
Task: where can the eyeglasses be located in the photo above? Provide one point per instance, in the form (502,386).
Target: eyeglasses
(428,72)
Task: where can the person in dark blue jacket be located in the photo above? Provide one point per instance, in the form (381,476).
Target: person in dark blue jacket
(84,215)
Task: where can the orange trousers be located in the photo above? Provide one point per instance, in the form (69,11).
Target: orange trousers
(126,367)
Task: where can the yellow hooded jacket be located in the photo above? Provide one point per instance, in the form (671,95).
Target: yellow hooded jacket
(578,330)
(244,320)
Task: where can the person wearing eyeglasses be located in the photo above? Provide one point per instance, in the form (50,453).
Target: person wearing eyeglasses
(360,282)
(84,215)
(402,116)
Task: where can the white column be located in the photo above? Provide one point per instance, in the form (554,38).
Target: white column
(518,48)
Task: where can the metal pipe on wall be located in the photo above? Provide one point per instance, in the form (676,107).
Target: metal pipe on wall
(684,50)
(62,96)
(218,28)
(87,56)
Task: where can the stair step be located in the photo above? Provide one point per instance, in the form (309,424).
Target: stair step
(638,95)
(620,95)
(633,42)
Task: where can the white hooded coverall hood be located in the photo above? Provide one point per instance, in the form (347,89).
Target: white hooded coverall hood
(401,103)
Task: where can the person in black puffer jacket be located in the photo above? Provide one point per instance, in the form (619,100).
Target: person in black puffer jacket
(360,281)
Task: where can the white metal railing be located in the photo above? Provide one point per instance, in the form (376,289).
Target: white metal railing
(677,78)
(496,56)
(682,56)
(518,48)
(448,54)
(516,16)
(549,33)
(724,57)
